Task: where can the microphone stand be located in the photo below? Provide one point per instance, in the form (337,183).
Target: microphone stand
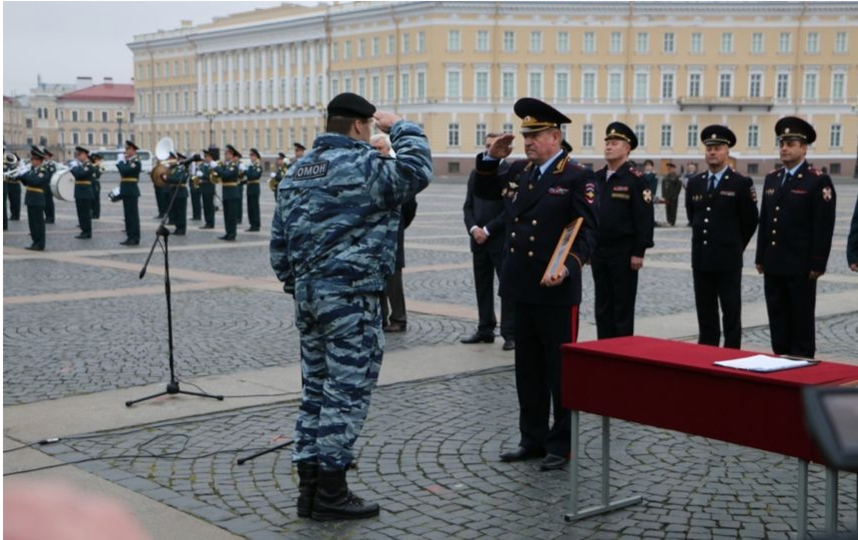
(173,385)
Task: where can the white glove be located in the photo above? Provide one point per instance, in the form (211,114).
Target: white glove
(74,163)
(273,174)
(120,158)
(242,167)
(199,174)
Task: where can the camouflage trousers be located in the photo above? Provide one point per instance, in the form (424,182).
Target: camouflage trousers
(341,350)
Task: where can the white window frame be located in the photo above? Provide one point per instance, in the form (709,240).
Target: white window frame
(699,92)
(666,129)
(635,94)
(561,93)
(563,41)
(508,41)
(478,73)
(616,43)
(669,43)
(584,76)
(753,136)
(536,41)
(696,43)
(727,43)
(454,40)
(642,43)
(588,42)
(539,92)
(730,81)
(762,80)
(692,133)
(612,75)
(456,93)
(758,43)
(834,75)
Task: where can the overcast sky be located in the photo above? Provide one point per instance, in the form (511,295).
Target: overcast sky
(61,40)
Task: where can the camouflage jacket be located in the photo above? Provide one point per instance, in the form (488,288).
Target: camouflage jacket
(337,218)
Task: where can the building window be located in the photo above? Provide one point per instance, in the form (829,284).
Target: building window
(454,84)
(347,50)
(616,42)
(783,86)
(641,85)
(563,42)
(615,86)
(507,128)
(696,43)
(840,43)
(405,87)
(561,85)
(421,85)
(669,46)
(28,123)
(813,43)
(587,136)
(756,85)
(482,85)
(640,133)
(75,137)
(757,42)
(453,134)
(835,136)
(361,86)
(406,43)
(536,41)
(335,86)
(454,40)
(589,45)
(90,138)
(375,46)
(89,116)
(483,40)
(838,86)
(104,116)
(753,136)
(725,85)
(375,88)
(509,41)
(691,136)
(666,135)
(810,85)
(508,84)
(643,42)
(421,42)
(727,43)
(391,87)
(535,84)
(588,86)
(391,44)
(694,83)
(480,135)
(784,42)
(105,138)
(835,169)
(667,80)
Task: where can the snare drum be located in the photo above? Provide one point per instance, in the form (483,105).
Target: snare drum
(62,185)
(114,195)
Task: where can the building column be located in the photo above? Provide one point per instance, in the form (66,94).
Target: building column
(198,105)
(266,99)
(253,53)
(241,54)
(209,97)
(326,84)
(313,95)
(299,58)
(288,98)
(275,99)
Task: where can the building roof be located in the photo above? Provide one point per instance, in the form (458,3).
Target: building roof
(101,92)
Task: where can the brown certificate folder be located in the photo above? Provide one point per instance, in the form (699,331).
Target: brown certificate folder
(564,245)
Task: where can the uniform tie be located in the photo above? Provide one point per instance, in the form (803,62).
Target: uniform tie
(711,187)
(787,177)
(536,175)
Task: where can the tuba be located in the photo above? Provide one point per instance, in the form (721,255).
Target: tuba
(163,163)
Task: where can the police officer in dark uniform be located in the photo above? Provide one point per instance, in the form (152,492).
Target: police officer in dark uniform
(51,167)
(129,192)
(37,182)
(207,174)
(721,205)
(625,233)
(794,239)
(228,174)
(542,194)
(252,174)
(178,181)
(83,174)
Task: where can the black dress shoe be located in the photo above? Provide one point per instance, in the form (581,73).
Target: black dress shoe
(552,462)
(252,229)
(479,338)
(84,236)
(133,243)
(394,328)
(179,232)
(35,248)
(159,216)
(124,243)
(207,227)
(509,345)
(521,454)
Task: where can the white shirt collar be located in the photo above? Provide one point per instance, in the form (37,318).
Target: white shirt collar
(544,167)
(796,168)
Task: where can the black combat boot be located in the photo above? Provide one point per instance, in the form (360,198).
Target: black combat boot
(307,479)
(334,500)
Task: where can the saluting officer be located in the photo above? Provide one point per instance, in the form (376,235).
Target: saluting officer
(721,205)
(625,233)
(96,159)
(228,173)
(129,191)
(37,182)
(542,194)
(206,173)
(51,168)
(178,181)
(794,239)
(253,173)
(83,174)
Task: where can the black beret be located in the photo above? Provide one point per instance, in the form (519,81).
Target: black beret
(254,152)
(717,134)
(131,144)
(299,146)
(793,127)
(537,115)
(232,149)
(81,149)
(618,130)
(351,106)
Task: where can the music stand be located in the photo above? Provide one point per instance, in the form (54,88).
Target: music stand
(172,386)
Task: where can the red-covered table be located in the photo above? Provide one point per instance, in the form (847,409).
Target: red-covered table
(675,385)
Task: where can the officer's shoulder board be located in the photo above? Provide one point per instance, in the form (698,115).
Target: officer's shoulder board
(308,171)
(814,171)
(635,172)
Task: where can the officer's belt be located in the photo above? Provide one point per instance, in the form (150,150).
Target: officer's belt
(35,189)
(128,179)
(11,181)
(229,184)
(253,181)
(83,183)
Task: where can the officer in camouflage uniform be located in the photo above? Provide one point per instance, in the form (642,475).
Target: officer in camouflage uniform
(51,167)
(83,174)
(37,182)
(178,181)
(252,174)
(333,245)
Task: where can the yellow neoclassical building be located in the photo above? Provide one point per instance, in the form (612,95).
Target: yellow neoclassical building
(668,69)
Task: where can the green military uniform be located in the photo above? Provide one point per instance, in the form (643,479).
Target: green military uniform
(207,188)
(129,192)
(83,194)
(231,198)
(252,174)
(13,187)
(240,210)
(96,190)
(38,184)
(178,180)
(50,210)
(278,176)
(671,186)
(196,198)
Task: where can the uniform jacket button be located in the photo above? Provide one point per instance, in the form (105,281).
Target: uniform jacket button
(706,220)
(533,239)
(777,208)
(705,242)
(708,208)
(515,220)
(533,223)
(530,254)
(774,231)
(774,243)
(513,235)
(775,220)
(512,250)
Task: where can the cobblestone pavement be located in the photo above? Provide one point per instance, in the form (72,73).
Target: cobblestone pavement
(438,475)
(77,320)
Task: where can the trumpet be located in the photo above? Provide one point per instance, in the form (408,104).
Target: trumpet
(20,170)
(11,159)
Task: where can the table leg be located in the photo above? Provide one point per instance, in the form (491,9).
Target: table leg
(831,505)
(573,465)
(801,518)
(606,460)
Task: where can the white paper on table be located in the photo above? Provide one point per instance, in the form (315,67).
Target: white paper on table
(764,364)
